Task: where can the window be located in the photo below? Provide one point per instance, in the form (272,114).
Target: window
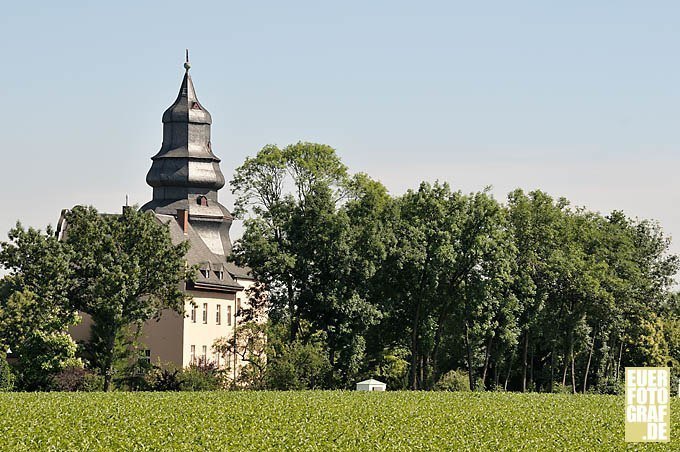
(229,315)
(205,312)
(193,354)
(220,274)
(205,273)
(204,356)
(218,314)
(193,313)
(145,356)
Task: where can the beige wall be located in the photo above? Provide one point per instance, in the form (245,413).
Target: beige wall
(200,334)
(170,338)
(163,338)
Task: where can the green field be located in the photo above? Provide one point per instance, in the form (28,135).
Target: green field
(314,421)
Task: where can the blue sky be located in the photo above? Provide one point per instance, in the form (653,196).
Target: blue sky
(581,99)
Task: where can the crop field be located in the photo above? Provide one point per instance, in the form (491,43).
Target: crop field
(314,420)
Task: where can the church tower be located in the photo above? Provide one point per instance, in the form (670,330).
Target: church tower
(186,177)
(185,173)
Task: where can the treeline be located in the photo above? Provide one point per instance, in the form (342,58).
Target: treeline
(530,294)
(433,289)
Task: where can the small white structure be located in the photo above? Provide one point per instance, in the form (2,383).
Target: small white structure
(371,385)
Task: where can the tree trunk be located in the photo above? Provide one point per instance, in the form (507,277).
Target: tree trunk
(294,327)
(573,373)
(469,357)
(414,349)
(590,356)
(495,375)
(108,363)
(524,361)
(507,377)
(618,363)
(552,368)
(437,342)
(486,359)
(531,366)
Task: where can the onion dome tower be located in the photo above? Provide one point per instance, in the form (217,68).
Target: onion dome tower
(185,174)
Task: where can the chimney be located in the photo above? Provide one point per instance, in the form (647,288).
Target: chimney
(183,220)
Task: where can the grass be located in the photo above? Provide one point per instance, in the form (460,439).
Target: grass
(315,420)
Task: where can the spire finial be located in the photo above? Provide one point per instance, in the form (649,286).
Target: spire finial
(186,61)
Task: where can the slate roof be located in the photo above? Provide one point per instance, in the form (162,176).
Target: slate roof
(200,255)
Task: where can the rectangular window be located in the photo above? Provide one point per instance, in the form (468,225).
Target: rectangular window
(193,354)
(205,354)
(220,275)
(193,313)
(146,356)
(205,312)
(229,315)
(217,359)
(218,314)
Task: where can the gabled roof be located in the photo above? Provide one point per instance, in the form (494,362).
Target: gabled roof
(371,381)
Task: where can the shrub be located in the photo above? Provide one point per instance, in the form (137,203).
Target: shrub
(298,366)
(612,387)
(163,379)
(453,380)
(559,388)
(201,377)
(6,376)
(74,378)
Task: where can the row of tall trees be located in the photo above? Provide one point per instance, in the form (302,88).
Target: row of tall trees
(529,294)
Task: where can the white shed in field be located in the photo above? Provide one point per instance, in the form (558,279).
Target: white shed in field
(371,385)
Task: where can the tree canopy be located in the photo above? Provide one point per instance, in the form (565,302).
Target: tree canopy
(530,294)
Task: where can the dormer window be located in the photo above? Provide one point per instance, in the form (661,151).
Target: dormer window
(202,201)
(195,106)
(218,268)
(205,270)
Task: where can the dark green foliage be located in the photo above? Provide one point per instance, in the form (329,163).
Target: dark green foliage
(453,380)
(521,296)
(35,310)
(313,249)
(75,378)
(201,377)
(6,375)
(163,378)
(298,366)
(124,271)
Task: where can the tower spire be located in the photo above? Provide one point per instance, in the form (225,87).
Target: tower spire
(185,166)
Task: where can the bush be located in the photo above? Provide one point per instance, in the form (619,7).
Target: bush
(611,387)
(454,380)
(559,388)
(163,379)
(6,376)
(299,366)
(201,377)
(74,378)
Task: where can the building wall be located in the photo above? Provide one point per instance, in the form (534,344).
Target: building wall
(170,338)
(200,334)
(163,338)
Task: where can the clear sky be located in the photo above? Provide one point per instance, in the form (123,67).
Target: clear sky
(580,98)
